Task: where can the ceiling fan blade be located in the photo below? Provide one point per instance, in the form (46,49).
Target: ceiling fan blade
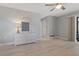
(52,9)
(63,8)
(53,4)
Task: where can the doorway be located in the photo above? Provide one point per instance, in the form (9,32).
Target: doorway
(71,28)
(77,32)
(44,28)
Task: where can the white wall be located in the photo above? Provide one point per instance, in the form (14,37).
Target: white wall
(51,26)
(62,24)
(8,17)
(7,30)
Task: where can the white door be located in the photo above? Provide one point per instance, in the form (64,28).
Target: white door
(44,28)
(71,28)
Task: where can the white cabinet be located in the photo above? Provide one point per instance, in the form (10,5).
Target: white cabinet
(22,38)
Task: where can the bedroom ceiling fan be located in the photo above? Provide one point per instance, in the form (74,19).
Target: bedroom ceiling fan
(56,6)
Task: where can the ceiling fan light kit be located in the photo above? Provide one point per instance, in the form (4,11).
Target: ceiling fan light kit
(58,6)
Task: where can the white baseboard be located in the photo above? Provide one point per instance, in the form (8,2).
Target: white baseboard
(61,37)
(10,43)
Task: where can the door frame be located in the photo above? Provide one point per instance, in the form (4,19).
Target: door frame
(72,28)
(46,28)
(77,28)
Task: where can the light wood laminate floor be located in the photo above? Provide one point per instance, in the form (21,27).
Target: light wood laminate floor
(51,47)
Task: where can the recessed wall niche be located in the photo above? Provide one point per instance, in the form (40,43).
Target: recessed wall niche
(25,26)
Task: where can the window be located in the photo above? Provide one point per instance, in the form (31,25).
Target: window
(25,26)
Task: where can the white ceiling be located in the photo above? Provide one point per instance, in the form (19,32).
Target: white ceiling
(42,9)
